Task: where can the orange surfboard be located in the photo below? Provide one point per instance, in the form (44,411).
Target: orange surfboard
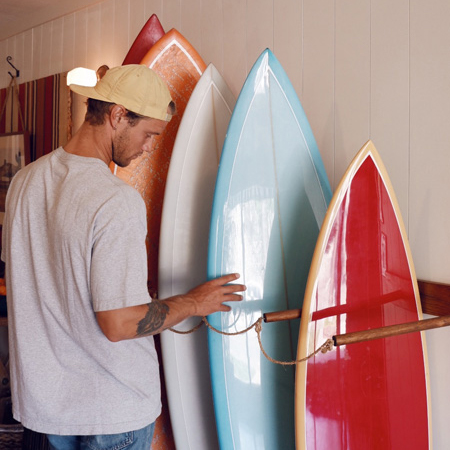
(180,66)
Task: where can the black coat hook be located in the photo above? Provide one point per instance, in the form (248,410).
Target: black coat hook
(8,60)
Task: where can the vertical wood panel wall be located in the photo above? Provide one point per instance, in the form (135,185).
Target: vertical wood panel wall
(363,69)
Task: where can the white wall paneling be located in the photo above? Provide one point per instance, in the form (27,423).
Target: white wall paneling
(429,140)
(288,39)
(80,44)
(190,23)
(235,44)
(352,81)
(171,14)
(389,96)
(318,82)
(211,26)
(259,29)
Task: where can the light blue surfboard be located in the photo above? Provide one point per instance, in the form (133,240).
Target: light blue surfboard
(270,199)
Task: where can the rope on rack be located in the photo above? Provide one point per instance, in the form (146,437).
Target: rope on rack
(324,348)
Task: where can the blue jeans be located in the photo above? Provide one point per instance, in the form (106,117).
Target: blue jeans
(132,440)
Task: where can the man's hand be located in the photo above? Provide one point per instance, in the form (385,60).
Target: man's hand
(209,297)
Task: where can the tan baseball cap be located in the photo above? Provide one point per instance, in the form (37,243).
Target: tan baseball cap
(136,87)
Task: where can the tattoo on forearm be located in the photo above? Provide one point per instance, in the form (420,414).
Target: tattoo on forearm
(154,319)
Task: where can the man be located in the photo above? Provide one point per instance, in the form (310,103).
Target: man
(83,364)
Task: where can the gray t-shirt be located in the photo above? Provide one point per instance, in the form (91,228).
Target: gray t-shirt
(74,243)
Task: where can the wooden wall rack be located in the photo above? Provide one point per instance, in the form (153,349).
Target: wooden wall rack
(435,298)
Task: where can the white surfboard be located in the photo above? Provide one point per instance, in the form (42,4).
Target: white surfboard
(183,251)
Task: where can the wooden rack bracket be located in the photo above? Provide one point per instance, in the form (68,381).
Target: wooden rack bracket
(434,298)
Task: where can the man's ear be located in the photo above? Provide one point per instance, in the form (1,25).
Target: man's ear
(117,113)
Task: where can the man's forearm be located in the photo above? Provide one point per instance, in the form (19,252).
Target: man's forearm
(154,319)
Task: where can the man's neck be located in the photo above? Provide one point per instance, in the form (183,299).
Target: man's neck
(92,142)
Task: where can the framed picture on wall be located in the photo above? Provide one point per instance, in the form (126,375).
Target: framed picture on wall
(14,154)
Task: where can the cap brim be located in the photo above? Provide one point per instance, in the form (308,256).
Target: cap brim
(88,91)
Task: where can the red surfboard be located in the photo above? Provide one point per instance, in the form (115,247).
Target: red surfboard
(151,33)
(370,395)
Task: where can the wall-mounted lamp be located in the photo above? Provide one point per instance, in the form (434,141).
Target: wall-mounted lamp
(82,77)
